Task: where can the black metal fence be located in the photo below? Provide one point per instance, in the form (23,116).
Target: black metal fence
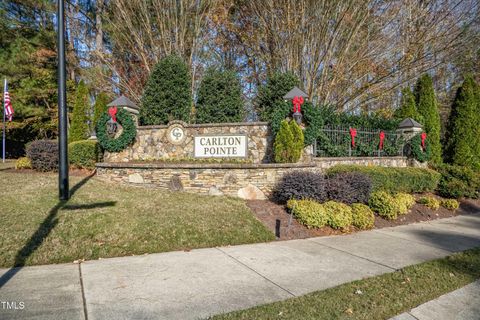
(337,142)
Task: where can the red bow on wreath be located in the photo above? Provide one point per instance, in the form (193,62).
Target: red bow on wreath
(423,136)
(353,134)
(297,104)
(112,111)
(382,137)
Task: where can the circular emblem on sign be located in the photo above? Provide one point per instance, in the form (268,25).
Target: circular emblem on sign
(176,134)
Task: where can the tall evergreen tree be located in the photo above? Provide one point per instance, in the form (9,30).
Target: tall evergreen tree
(167,95)
(79,129)
(427,107)
(271,94)
(408,107)
(462,139)
(219,97)
(99,107)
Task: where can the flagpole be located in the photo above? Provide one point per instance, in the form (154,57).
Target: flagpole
(4,111)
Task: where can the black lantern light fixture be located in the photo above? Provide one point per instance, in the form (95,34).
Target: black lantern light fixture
(297,97)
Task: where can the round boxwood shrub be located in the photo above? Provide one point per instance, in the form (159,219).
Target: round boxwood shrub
(300,185)
(84,153)
(450,204)
(23,163)
(362,216)
(308,212)
(43,154)
(404,202)
(349,187)
(339,214)
(430,202)
(384,204)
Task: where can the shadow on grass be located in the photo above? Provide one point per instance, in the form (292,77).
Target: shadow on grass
(45,228)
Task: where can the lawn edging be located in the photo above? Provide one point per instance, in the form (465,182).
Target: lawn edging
(379,297)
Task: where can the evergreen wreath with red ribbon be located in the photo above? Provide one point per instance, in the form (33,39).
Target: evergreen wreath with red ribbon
(420,147)
(126,137)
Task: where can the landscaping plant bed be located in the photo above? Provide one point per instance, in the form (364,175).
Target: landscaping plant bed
(277,219)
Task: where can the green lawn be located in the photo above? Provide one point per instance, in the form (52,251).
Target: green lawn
(380,297)
(107,220)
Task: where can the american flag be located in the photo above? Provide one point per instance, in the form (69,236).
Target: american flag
(7,104)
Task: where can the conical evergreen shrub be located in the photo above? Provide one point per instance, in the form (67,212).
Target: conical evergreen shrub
(79,126)
(298,141)
(283,143)
(219,98)
(428,109)
(167,95)
(462,139)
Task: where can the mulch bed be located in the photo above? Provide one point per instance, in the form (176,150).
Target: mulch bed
(278,220)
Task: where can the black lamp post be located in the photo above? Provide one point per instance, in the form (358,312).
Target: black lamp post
(63,188)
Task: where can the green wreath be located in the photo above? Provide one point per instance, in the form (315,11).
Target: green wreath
(416,149)
(129,131)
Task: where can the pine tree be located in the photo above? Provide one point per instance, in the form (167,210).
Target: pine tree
(462,138)
(298,141)
(428,109)
(99,107)
(283,143)
(219,97)
(167,95)
(79,125)
(271,94)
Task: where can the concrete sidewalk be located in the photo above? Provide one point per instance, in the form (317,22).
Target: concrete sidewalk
(461,304)
(200,283)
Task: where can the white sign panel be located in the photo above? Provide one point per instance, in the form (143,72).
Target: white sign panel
(220,146)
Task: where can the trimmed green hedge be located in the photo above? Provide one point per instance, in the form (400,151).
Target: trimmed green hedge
(458,182)
(84,153)
(393,180)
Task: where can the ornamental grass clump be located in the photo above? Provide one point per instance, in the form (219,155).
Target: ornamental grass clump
(450,204)
(362,216)
(430,202)
(339,214)
(308,212)
(384,204)
(404,202)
